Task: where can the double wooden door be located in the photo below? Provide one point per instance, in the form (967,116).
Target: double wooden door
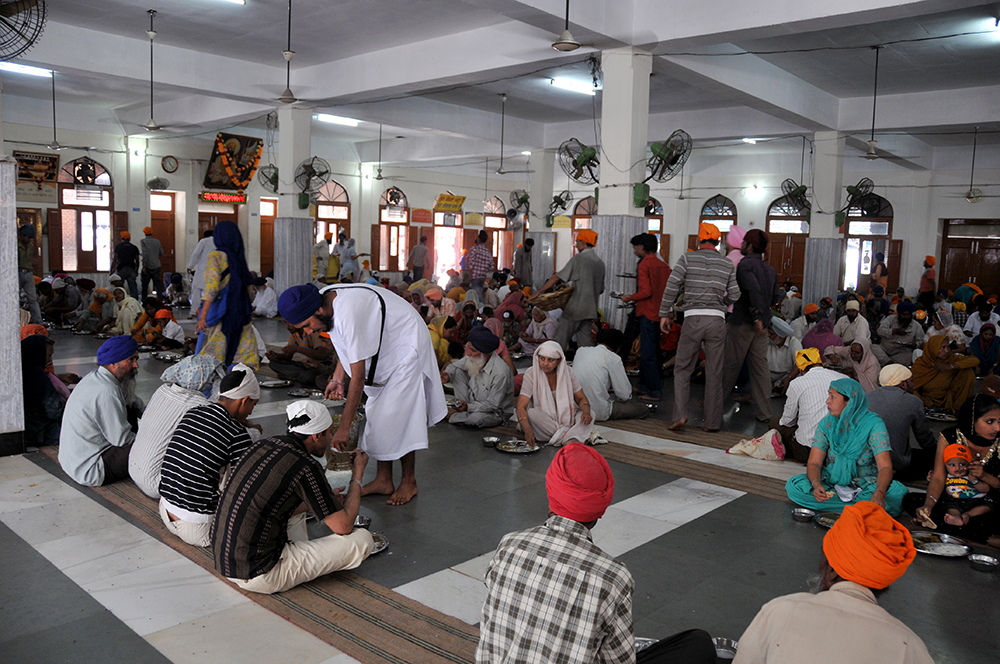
(970,260)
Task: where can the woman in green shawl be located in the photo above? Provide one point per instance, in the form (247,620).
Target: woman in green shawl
(850,459)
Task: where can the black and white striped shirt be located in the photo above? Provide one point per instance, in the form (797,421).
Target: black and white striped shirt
(206,439)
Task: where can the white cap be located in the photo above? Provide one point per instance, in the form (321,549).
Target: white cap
(319,417)
(248,387)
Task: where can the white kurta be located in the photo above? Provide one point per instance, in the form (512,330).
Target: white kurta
(408,396)
(199,262)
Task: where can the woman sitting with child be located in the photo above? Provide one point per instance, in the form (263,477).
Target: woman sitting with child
(850,459)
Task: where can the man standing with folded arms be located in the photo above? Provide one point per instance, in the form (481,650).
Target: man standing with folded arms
(708,280)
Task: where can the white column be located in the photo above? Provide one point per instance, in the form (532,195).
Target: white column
(624,125)
(828,183)
(293,226)
(11,397)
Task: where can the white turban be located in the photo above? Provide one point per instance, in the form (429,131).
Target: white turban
(319,417)
(893,374)
(249,387)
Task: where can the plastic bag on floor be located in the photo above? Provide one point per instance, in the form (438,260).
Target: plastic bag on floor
(767,447)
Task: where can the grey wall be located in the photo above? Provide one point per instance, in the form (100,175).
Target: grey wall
(613,235)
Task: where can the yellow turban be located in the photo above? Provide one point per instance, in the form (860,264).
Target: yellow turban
(806,357)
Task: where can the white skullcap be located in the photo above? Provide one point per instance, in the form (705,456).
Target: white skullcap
(249,387)
(319,417)
(58,283)
(893,374)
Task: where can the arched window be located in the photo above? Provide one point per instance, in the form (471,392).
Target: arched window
(868,231)
(494,206)
(333,210)
(720,211)
(583,213)
(82,239)
(390,237)
(654,219)
(393,197)
(784,215)
(85,172)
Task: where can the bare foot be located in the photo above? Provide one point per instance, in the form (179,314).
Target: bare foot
(678,425)
(378,487)
(953,520)
(404,494)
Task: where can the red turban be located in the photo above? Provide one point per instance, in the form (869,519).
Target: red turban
(34,328)
(868,546)
(579,483)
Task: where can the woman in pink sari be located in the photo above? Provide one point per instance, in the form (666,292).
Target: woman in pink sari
(512,303)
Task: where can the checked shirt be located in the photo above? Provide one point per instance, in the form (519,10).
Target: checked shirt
(555,597)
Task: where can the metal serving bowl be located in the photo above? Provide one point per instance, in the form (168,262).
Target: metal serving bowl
(983,562)
(803,514)
(363,521)
(725,648)
(491,441)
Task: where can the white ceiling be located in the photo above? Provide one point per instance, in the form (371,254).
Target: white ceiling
(432,70)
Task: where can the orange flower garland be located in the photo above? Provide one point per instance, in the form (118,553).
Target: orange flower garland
(241,183)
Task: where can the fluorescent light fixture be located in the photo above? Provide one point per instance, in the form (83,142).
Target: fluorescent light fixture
(573,85)
(25,69)
(237,2)
(750,141)
(336,119)
(526,153)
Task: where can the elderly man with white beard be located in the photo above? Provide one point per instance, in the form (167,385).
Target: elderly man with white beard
(484,385)
(96,437)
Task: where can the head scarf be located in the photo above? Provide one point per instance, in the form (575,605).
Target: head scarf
(319,417)
(437,324)
(848,434)
(33,329)
(878,291)
(957,451)
(867,546)
(483,340)
(28,230)
(588,236)
(328,236)
(238,310)
(735,235)
(538,330)
(707,231)
(456,294)
(299,303)
(945,318)
(903,307)
(757,239)
(867,369)
(781,328)
(34,377)
(822,337)
(579,483)
(248,387)
(990,386)
(893,374)
(512,303)
(58,283)
(417,297)
(558,404)
(472,296)
(125,235)
(148,230)
(117,349)
(930,260)
(924,369)
(85,284)
(810,308)
(194,372)
(806,358)
(495,326)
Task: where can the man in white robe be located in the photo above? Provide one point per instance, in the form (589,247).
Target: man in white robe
(265,300)
(404,387)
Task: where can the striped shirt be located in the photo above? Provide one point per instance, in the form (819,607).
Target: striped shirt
(206,439)
(554,596)
(707,280)
(806,403)
(273,478)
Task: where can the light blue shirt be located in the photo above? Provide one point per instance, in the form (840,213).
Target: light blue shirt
(600,371)
(93,421)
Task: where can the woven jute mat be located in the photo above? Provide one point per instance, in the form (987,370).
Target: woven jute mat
(363,619)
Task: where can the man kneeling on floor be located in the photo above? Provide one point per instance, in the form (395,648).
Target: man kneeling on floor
(864,552)
(484,385)
(259,535)
(555,596)
(207,442)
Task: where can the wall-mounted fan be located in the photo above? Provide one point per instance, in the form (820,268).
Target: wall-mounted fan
(267,177)
(580,162)
(795,194)
(519,201)
(560,202)
(857,196)
(157,184)
(21,24)
(310,175)
(394,196)
(668,158)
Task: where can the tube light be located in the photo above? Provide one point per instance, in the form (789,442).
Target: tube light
(750,141)
(25,69)
(336,119)
(573,85)
(237,2)
(526,153)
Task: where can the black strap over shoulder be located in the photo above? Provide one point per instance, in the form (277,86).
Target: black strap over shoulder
(370,381)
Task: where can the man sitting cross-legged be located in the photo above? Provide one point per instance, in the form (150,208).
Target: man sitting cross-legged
(96,437)
(315,355)
(602,376)
(864,552)
(207,442)
(259,535)
(484,385)
(555,596)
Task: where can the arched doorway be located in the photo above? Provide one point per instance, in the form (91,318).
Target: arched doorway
(390,243)
(867,231)
(719,210)
(83,230)
(787,226)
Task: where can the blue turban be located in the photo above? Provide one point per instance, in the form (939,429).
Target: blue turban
(878,291)
(298,303)
(117,349)
(903,307)
(27,230)
(483,340)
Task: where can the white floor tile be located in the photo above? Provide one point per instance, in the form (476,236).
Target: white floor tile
(247,634)
(16,467)
(156,598)
(88,559)
(475,568)
(28,491)
(679,502)
(341,659)
(449,592)
(619,532)
(57,520)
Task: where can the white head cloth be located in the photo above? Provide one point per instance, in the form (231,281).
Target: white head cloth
(248,388)
(319,417)
(893,374)
(559,405)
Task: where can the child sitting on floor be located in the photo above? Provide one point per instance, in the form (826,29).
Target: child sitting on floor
(962,498)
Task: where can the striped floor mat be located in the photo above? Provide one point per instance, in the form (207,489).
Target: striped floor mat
(363,619)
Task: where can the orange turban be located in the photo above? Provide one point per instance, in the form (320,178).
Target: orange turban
(163,313)
(125,235)
(810,308)
(707,231)
(579,483)
(868,546)
(930,260)
(34,328)
(148,230)
(328,236)
(588,236)
(957,451)
(365,263)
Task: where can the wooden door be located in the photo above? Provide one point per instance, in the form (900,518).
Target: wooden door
(208,220)
(55,239)
(665,247)
(33,216)
(987,275)
(958,264)
(266,244)
(693,242)
(795,260)
(893,256)
(163,230)
(775,254)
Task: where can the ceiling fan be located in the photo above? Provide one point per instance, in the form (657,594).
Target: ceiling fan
(55,144)
(974,195)
(287,97)
(503,121)
(378,173)
(872,154)
(151,125)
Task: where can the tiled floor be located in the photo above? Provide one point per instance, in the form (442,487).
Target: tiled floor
(81,582)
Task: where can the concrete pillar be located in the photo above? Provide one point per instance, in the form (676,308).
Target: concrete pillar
(293,237)
(624,125)
(541,189)
(613,235)
(828,188)
(11,396)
